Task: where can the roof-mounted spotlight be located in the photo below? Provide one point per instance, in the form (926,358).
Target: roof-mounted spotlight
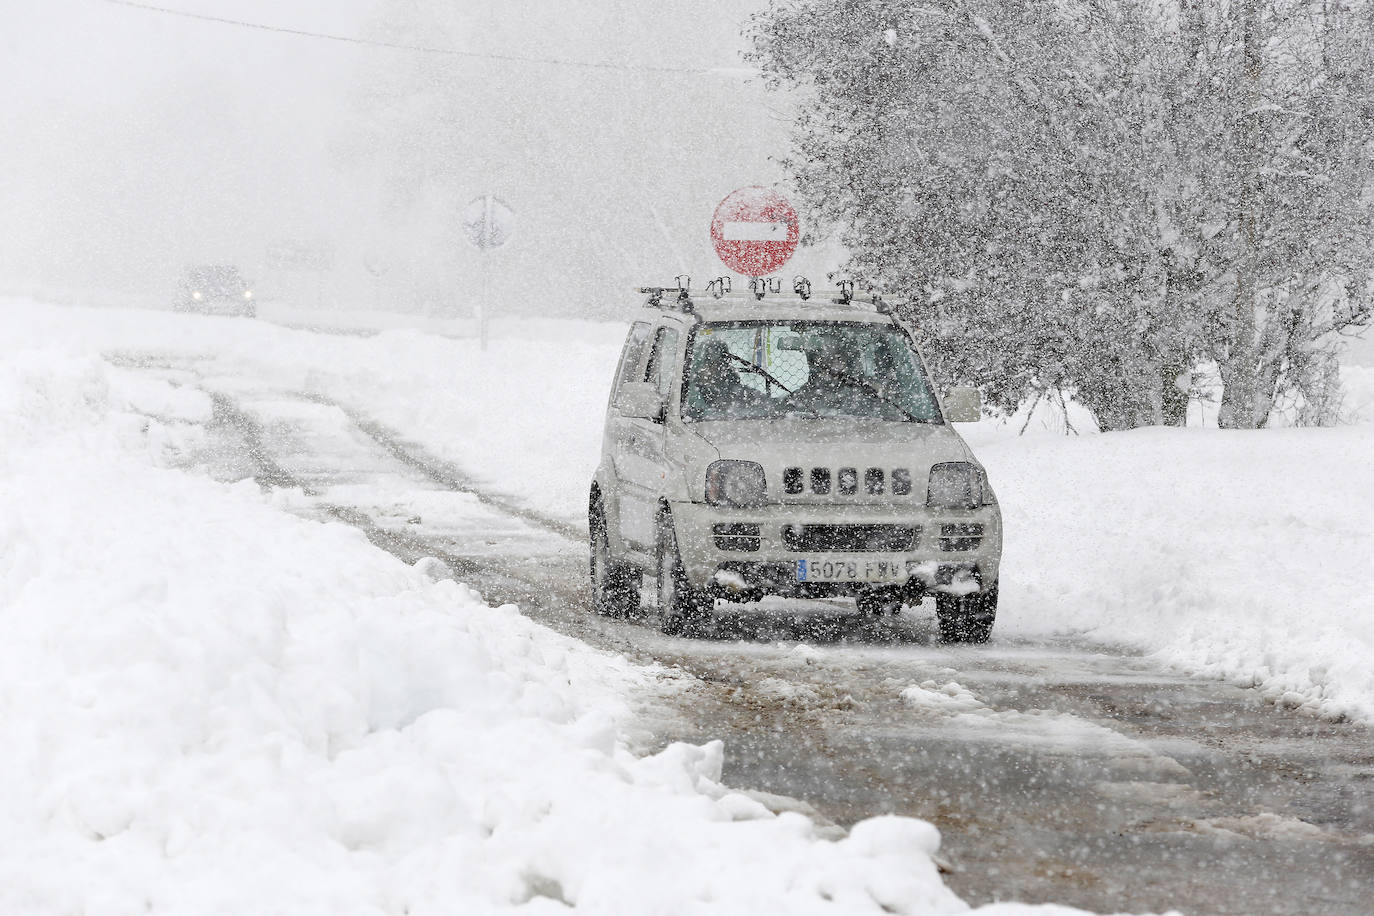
(761,285)
(802,287)
(684,297)
(718,287)
(846,288)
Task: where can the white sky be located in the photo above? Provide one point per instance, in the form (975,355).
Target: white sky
(139,142)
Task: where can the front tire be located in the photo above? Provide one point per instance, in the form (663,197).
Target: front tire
(683,610)
(615,586)
(966,618)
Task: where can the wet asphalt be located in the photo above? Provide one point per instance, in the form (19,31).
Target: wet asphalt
(1057,771)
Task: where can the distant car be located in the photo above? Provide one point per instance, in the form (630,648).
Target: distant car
(216,289)
(788,447)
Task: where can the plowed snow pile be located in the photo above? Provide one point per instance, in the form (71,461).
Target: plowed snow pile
(1241,555)
(211,706)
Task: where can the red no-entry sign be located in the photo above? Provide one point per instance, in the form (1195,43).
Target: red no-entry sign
(755,231)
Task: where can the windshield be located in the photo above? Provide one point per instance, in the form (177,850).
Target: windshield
(759,370)
(216,279)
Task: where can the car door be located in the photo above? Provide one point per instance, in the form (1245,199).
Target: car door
(617,430)
(642,466)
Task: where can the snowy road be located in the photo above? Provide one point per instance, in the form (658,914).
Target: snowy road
(1055,770)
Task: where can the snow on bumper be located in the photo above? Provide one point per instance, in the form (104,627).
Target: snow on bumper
(737,550)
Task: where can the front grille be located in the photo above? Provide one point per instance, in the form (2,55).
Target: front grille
(845,481)
(964,536)
(736,536)
(849,538)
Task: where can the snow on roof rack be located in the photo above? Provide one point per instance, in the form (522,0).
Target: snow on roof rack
(759,287)
(683,301)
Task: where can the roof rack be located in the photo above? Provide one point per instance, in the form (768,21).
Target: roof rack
(759,287)
(683,301)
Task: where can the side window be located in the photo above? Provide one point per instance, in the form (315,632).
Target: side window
(633,355)
(660,368)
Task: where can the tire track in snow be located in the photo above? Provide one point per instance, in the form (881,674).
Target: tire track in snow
(445,473)
(269,473)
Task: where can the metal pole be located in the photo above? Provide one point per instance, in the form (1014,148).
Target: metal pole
(482,306)
(488,234)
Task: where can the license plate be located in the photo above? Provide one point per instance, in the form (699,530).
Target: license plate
(844,569)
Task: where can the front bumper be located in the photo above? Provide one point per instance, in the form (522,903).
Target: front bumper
(738,564)
(221,306)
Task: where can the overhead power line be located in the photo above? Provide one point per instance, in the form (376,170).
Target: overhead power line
(397,46)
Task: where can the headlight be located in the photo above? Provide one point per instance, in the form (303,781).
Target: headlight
(196,295)
(735,483)
(955,485)
(248,294)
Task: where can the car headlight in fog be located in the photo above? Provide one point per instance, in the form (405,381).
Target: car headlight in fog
(196,295)
(955,485)
(248,294)
(735,483)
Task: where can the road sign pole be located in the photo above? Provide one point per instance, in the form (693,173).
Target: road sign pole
(486,294)
(484,253)
(488,223)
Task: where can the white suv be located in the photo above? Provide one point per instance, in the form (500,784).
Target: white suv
(794,446)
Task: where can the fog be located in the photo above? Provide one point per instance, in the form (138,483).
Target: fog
(141,142)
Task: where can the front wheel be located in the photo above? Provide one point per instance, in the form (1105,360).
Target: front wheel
(966,618)
(615,586)
(682,609)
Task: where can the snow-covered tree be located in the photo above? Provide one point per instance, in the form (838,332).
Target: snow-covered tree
(1079,194)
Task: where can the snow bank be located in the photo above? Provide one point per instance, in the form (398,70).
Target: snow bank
(523,417)
(209,705)
(1243,555)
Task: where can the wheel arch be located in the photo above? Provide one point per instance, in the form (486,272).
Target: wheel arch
(599,496)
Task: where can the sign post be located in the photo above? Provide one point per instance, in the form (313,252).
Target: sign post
(755,230)
(489,224)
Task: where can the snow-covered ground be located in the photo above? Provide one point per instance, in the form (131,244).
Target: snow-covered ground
(211,705)
(1231,554)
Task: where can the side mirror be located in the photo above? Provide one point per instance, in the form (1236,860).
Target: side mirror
(640,401)
(963,405)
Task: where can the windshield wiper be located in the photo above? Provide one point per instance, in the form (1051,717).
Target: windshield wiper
(759,370)
(771,378)
(872,389)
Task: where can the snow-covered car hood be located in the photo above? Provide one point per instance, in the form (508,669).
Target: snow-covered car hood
(808,443)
